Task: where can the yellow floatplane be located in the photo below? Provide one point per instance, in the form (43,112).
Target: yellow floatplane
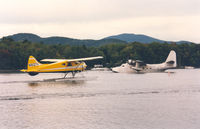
(57,65)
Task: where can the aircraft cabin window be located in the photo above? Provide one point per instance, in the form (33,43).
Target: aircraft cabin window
(76,63)
(69,64)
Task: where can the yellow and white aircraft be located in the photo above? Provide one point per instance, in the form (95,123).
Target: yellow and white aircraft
(58,65)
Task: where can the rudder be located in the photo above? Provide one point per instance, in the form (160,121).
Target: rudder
(171,59)
(32,63)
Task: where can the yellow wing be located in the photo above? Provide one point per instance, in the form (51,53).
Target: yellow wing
(71,60)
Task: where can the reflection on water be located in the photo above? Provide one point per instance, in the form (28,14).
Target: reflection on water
(56,83)
(101,100)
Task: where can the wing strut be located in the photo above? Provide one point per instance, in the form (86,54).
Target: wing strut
(65,75)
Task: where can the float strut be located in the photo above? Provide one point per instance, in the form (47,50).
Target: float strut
(65,75)
(73,74)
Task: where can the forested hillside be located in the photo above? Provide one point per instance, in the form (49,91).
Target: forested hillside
(121,38)
(14,55)
(21,37)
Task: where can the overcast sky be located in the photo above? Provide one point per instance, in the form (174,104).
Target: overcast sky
(95,19)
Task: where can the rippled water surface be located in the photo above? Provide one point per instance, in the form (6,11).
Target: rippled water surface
(101,100)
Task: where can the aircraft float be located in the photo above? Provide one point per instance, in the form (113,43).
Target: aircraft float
(137,66)
(57,65)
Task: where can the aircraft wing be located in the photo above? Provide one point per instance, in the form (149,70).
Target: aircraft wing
(83,59)
(71,60)
(53,60)
(137,69)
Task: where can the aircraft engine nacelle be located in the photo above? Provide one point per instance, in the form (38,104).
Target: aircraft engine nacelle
(131,62)
(33,73)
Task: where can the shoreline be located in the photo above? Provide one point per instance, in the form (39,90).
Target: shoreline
(10,71)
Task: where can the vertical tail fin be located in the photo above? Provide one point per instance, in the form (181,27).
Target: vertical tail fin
(171,59)
(32,63)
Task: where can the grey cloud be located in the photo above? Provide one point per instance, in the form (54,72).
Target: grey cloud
(95,10)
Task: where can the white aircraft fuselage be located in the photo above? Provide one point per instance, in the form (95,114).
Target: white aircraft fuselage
(139,67)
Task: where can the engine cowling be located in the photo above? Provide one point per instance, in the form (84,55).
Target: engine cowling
(131,62)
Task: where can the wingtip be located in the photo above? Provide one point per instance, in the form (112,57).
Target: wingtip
(100,57)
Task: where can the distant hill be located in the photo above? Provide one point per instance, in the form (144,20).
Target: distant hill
(121,38)
(135,38)
(181,42)
(25,36)
(140,38)
(62,40)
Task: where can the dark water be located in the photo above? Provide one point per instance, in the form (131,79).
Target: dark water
(101,100)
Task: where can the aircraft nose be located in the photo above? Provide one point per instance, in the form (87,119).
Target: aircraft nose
(114,69)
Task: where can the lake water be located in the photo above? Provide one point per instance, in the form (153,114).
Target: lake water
(101,100)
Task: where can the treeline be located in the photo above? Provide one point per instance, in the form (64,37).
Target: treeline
(14,55)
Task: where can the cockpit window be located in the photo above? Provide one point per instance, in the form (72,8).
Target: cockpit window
(76,63)
(69,64)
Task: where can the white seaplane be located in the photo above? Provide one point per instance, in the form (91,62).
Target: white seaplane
(137,66)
